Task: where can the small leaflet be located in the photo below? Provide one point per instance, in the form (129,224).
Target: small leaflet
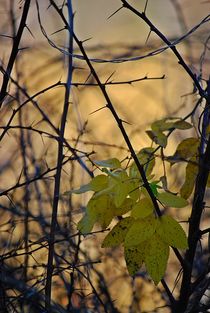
(182,125)
(85,225)
(134,257)
(141,230)
(117,235)
(190,177)
(171,232)
(162,125)
(142,208)
(99,182)
(96,184)
(156,258)
(113,163)
(146,159)
(121,186)
(187,148)
(82,189)
(158,137)
(125,207)
(101,207)
(168,124)
(171,200)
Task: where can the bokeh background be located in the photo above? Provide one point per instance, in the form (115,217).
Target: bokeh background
(92,132)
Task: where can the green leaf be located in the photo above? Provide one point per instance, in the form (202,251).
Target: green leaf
(182,125)
(171,232)
(158,137)
(171,200)
(156,257)
(125,207)
(163,180)
(134,257)
(154,186)
(101,207)
(162,125)
(146,159)
(186,149)
(99,182)
(168,124)
(110,163)
(121,188)
(85,225)
(117,235)
(190,177)
(82,189)
(134,191)
(141,230)
(142,208)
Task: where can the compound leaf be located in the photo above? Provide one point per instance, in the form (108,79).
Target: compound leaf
(142,208)
(171,232)
(125,207)
(99,182)
(96,184)
(156,257)
(134,257)
(117,235)
(141,230)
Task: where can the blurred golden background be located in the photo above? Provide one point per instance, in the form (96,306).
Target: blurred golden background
(89,130)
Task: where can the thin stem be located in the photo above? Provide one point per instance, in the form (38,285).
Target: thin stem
(154,29)
(48,286)
(14,52)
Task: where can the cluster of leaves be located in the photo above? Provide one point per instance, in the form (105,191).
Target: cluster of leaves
(119,194)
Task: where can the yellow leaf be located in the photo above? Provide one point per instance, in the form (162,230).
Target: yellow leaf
(208,182)
(190,177)
(156,257)
(134,192)
(121,186)
(142,208)
(141,230)
(171,232)
(125,207)
(171,200)
(117,235)
(134,257)
(99,182)
(101,207)
(187,148)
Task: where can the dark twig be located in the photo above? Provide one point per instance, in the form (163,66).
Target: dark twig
(14,52)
